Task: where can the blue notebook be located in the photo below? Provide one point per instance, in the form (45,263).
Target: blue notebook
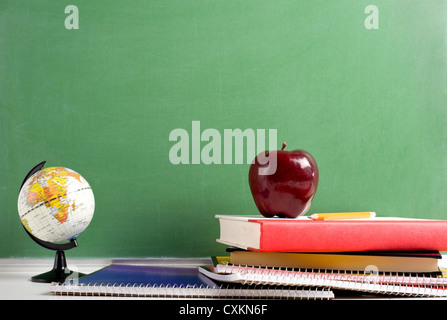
(136,275)
(176,282)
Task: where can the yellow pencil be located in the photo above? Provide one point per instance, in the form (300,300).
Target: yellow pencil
(342,215)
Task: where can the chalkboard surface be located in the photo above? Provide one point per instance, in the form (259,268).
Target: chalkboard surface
(127,92)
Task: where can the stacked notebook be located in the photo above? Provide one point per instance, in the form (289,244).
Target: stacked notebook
(141,280)
(392,256)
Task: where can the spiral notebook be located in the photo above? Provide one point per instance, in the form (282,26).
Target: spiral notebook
(424,285)
(175,282)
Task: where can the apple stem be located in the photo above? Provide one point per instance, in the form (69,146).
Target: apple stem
(284,144)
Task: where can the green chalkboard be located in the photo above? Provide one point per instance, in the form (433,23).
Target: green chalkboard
(107,88)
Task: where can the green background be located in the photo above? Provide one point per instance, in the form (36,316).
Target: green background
(369,105)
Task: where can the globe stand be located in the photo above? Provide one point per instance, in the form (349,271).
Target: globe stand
(60,272)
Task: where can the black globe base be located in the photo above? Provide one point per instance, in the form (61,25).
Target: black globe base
(59,273)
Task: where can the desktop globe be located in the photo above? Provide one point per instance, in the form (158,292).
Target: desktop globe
(55,205)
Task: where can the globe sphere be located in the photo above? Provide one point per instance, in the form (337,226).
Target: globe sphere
(56,204)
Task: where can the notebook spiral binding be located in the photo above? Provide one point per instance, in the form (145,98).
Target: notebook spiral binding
(391,283)
(161,291)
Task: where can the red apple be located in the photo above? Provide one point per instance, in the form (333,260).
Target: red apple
(289,190)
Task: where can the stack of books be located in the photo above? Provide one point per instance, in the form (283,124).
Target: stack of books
(395,256)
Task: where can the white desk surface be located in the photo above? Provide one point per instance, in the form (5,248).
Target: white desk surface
(16,284)
(15,277)
(15,274)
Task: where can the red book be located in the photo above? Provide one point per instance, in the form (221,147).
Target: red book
(306,235)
